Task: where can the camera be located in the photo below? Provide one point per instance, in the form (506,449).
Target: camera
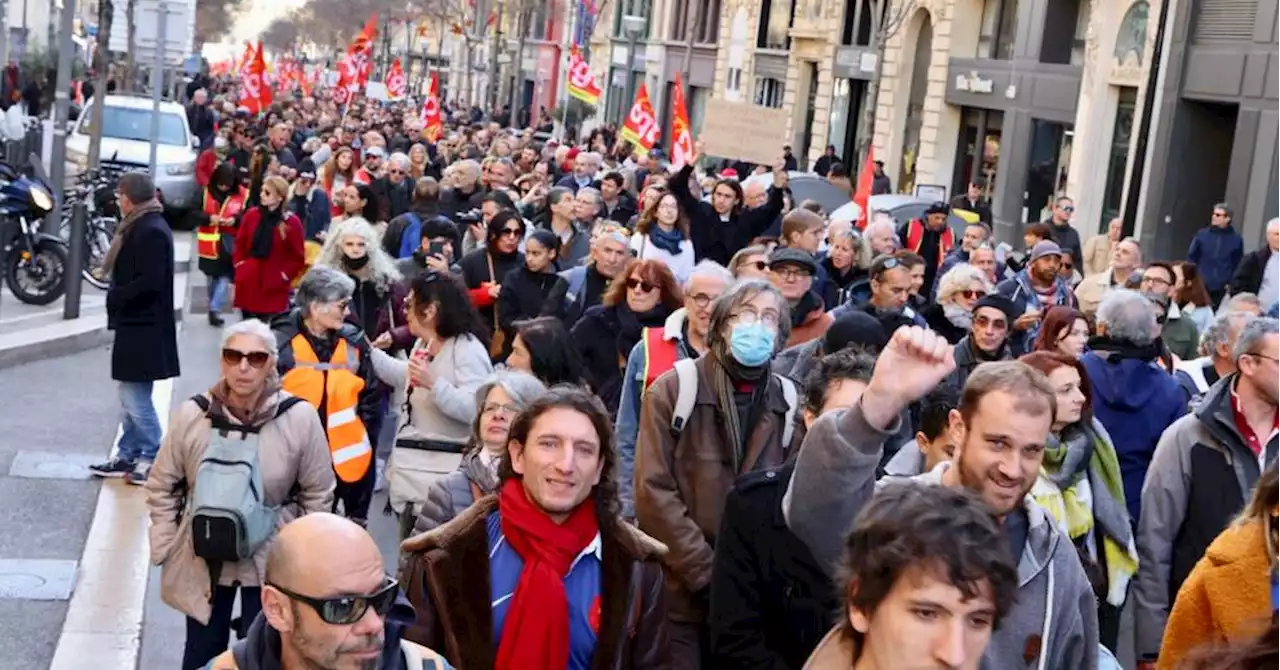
(472,217)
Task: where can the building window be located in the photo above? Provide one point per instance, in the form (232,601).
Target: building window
(733,84)
(536,26)
(632,8)
(617,104)
(775,22)
(857,22)
(708,23)
(680,20)
(1057,45)
(999,26)
(1121,136)
(769,92)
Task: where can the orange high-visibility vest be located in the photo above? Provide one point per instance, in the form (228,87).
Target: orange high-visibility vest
(209,237)
(660,354)
(338,386)
(915,239)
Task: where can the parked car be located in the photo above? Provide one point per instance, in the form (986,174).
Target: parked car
(902,207)
(126,138)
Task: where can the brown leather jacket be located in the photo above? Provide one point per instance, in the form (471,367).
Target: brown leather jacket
(681,484)
(445,573)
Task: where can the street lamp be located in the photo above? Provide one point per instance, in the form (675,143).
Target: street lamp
(632,26)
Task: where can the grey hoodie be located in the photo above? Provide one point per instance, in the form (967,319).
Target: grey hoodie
(1056,611)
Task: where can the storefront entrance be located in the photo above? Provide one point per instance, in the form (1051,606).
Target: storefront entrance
(976,158)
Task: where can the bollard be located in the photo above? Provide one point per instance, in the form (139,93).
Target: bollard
(75,261)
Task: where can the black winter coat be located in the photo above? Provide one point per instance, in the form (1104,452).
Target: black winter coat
(937,319)
(527,294)
(720,240)
(604,346)
(771,602)
(393,199)
(1248,277)
(475,271)
(140,304)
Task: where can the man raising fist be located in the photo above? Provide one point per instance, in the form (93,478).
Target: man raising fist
(999,429)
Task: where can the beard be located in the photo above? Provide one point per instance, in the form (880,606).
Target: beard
(1002,494)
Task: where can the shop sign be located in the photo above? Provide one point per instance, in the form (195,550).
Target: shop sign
(974,83)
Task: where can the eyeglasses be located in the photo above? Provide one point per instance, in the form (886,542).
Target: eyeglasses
(1257,355)
(257,359)
(494,408)
(993,324)
(792,273)
(1156,280)
(1068,208)
(346,610)
(972,295)
(640,284)
(701,300)
(511,232)
(760,266)
(748,317)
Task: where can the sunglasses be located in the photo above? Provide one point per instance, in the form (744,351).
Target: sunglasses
(972,295)
(644,286)
(760,266)
(257,359)
(346,610)
(510,232)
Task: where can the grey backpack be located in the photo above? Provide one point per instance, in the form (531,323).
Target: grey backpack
(230,517)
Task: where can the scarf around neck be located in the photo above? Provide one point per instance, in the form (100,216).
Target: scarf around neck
(631,325)
(958,316)
(264,235)
(727,376)
(666,240)
(536,631)
(125,228)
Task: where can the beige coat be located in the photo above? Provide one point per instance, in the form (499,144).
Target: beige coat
(292,448)
(1091,290)
(1097,255)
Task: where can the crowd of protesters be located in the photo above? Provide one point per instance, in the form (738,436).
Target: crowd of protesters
(707,427)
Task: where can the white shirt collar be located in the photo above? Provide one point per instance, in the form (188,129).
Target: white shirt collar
(592,549)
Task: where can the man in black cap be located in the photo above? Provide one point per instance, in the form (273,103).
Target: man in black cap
(988,338)
(932,239)
(310,202)
(792,271)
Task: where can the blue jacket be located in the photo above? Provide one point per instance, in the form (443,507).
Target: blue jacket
(1135,401)
(1019,290)
(1217,252)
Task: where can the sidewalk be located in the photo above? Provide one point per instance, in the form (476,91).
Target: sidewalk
(30,333)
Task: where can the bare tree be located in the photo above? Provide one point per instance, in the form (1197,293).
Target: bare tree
(281,34)
(891,20)
(130,76)
(101,63)
(214,19)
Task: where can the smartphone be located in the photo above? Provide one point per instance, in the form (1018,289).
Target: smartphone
(436,249)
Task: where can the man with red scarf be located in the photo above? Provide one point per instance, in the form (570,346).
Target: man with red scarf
(544,574)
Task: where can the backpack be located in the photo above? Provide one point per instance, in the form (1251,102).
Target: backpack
(411,236)
(687,395)
(230,518)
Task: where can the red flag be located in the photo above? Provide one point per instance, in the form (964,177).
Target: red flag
(582,84)
(396,83)
(432,121)
(355,66)
(682,152)
(254,93)
(862,194)
(641,128)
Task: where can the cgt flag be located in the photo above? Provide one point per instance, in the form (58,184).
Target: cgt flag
(641,128)
(396,82)
(862,194)
(682,152)
(254,94)
(432,120)
(582,84)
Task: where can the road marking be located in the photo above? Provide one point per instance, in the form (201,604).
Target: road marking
(104,617)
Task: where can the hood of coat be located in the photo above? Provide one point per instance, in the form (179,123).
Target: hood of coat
(908,462)
(1124,382)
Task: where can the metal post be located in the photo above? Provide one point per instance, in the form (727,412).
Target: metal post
(101,64)
(157,81)
(495,82)
(75,261)
(632,37)
(517,83)
(61,114)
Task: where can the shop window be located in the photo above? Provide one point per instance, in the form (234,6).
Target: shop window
(1047,170)
(769,92)
(1121,138)
(978,157)
(999,27)
(775,23)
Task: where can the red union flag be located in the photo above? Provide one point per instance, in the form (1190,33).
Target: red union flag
(432,120)
(396,82)
(682,152)
(355,66)
(641,128)
(254,93)
(582,84)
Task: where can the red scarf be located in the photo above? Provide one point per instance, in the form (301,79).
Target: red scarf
(536,631)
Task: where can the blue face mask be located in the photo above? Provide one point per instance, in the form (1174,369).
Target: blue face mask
(751,344)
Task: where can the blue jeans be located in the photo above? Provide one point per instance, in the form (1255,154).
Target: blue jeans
(217,289)
(140,437)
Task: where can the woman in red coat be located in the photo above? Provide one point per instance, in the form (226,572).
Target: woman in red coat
(268,254)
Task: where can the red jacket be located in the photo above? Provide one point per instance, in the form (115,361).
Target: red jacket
(205,164)
(263,285)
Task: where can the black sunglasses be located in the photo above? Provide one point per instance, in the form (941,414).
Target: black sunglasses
(511,232)
(644,286)
(233,357)
(346,610)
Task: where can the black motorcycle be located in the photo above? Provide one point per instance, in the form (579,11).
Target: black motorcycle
(34,263)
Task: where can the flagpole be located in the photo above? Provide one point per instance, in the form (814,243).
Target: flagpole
(564,110)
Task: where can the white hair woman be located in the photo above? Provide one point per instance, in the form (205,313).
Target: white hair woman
(317,334)
(377,304)
(297,479)
(500,400)
(959,290)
